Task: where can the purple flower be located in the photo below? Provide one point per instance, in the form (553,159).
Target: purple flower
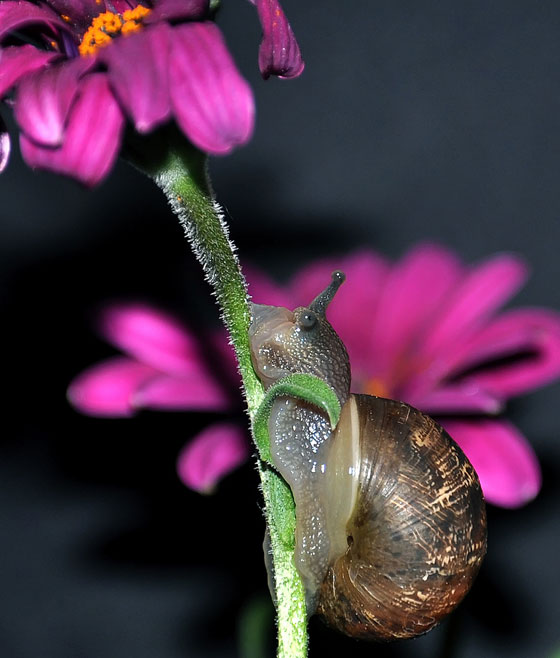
(78,69)
(425,330)
(164,369)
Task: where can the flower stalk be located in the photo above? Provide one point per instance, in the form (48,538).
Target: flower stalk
(181,173)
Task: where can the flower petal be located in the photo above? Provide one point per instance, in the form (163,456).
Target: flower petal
(44,99)
(212,103)
(482,292)
(152,337)
(81,12)
(408,300)
(354,307)
(108,388)
(279,52)
(211,455)
(15,15)
(194,392)
(505,462)
(16,61)
(5,146)
(531,335)
(173,10)
(92,138)
(463,397)
(137,71)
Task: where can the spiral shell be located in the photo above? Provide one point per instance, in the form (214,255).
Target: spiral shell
(417,532)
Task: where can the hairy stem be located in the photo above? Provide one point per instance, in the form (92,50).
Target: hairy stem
(180,171)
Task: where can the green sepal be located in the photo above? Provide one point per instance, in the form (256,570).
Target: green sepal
(304,387)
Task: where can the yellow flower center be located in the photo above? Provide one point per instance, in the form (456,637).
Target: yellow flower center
(375,386)
(108,25)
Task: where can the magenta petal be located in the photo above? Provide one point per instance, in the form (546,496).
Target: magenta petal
(5,146)
(212,103)
(16,61)
(44,99)
(152,337)
(172,10)
(463,397)
(81,12)
(143,88)
(483,291)
(107,388)
(117,6)
(196,392)
(14,15)
(279,52)
(410,298)
(505,462)
(531,335)
(211,455)
(92,138)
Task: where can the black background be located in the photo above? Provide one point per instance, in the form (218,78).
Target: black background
(412,121)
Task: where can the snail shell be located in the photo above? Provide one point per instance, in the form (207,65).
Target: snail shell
(391,521)
(417,531)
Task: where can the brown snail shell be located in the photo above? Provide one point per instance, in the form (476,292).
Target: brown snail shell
(391,521)
(417,534)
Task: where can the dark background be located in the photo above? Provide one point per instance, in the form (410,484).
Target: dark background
(412,121)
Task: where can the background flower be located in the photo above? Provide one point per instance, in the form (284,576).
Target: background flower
(164,369)
(80,69)
(424,330)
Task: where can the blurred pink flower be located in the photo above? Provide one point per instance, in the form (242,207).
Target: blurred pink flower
(424,330)
(164,369)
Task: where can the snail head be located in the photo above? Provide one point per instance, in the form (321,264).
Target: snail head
(285,342)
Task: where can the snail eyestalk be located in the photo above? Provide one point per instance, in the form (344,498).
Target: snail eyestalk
(320,303)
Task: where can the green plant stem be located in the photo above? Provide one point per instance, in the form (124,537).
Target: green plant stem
(180,171)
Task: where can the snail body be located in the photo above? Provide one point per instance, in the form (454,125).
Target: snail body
(390,517)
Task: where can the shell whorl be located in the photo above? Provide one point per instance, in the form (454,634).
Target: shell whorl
(417,535)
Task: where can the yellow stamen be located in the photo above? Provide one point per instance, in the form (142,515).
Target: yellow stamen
(105,27)
(376,386)
(136,14)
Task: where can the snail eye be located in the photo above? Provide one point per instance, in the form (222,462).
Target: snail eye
(307,320)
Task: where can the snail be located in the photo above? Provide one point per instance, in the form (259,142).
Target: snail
(390,516)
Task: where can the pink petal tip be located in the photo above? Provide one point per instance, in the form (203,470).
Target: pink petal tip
(107,388)
(508,469)
(211,455)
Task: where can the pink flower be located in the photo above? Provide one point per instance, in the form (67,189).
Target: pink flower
(79,69)
(164,368)
(425,330)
